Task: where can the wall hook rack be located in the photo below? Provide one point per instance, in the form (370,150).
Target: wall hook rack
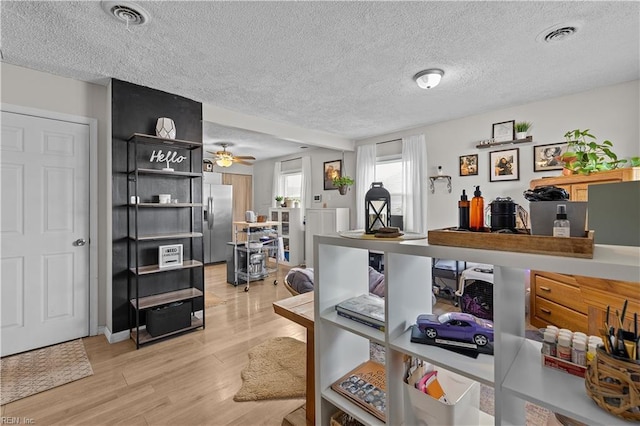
(432,180)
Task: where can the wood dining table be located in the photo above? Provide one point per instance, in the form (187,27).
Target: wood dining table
(300,310)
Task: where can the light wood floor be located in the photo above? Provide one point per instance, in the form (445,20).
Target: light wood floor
(187,380)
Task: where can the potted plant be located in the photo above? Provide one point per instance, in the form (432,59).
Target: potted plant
(279,199)
(343,183)
(522,127)
(585,155)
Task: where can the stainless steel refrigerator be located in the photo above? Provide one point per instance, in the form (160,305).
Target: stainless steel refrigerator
(218,217)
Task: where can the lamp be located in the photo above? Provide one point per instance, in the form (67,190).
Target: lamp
(377,208)
(224,161)
(428,79)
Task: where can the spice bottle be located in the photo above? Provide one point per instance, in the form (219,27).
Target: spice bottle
(463,211)
(579,352)
(476,214)
(561,226)
(591,352)
(549,343)
(564,347)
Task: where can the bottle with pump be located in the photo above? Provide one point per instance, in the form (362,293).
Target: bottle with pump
(561,226)
(476,214)
(463,212)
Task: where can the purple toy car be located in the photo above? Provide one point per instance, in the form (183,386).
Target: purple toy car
(457,326)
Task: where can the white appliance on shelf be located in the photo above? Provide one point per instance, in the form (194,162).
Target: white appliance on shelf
(217,221)
(322,221)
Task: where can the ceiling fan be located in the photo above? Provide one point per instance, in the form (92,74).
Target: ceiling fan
(225,158)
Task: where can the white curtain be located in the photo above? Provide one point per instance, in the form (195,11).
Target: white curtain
(365,175)
(277,188)
(305,192)
(414,177)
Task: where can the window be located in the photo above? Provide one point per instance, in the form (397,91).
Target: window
(389,172)
(292,183)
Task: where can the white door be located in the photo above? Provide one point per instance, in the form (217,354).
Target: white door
(45,232)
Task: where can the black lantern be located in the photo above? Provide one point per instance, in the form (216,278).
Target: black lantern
(377,208)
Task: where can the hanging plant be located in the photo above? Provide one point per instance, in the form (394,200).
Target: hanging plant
(343,183)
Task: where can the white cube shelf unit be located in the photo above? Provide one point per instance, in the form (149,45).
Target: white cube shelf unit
(292,234)
(515,371)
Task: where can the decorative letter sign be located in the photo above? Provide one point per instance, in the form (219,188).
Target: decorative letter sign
(169,157)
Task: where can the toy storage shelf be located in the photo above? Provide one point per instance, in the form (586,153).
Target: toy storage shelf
(515,370)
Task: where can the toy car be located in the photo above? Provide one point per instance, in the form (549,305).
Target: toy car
(457,326)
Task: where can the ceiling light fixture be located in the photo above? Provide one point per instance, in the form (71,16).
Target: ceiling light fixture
(224,161)
(428,79)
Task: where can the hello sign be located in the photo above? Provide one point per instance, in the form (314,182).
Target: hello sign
(169,157)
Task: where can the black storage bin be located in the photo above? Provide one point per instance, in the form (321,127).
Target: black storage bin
(169,318)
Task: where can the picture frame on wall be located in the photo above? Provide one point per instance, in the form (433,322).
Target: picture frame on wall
(547,157)
(469,165)
(504,131)
(332,170)
(504,165)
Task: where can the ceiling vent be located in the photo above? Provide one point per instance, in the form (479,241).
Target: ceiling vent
(557,33)
(126,12)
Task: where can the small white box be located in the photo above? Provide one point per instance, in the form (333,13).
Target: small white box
(170,256)
(463,393)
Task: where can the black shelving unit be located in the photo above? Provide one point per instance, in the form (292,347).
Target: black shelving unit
(151,223)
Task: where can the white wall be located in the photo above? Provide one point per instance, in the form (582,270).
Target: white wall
(611,112)
(263,180)
(34,89)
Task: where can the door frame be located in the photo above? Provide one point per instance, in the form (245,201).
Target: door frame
(93,195)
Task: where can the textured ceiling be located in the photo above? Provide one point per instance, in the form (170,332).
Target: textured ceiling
(340,67)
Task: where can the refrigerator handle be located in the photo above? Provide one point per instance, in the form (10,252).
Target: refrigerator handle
(211,216)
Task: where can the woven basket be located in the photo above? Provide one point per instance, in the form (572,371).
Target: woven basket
(614,384)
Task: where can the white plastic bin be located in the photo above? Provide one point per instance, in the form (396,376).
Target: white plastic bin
(463,394)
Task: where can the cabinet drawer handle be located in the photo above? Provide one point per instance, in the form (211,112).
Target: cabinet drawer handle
(546,311)
(545,288)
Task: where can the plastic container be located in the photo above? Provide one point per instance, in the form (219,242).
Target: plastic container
(462,393)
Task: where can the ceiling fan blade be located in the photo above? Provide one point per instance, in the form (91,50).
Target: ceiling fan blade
(246,163)
(245,157)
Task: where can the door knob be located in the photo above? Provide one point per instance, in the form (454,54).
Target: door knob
(79,242)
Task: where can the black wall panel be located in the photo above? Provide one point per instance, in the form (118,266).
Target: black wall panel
(135,109)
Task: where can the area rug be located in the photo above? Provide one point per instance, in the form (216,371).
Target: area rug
(212,299)
(276,370)
(39,370)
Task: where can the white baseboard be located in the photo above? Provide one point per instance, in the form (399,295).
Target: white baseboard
(120,336)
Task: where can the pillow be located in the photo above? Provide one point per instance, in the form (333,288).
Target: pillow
(301,280)
(376,282)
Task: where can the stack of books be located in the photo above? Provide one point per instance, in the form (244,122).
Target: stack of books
(367,309)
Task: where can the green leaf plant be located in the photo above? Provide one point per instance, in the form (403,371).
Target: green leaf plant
(585,155)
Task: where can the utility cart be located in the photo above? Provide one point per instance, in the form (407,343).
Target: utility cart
(253,259)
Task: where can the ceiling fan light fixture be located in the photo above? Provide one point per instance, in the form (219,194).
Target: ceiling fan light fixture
(224,161)
(428,79)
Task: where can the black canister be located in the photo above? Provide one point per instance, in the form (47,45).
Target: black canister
(503,214)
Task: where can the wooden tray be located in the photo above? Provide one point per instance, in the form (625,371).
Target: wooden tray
(522,243)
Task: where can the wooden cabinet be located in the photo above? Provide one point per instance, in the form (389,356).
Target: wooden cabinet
(577,185)
(291,232)
(515,370)
(174,219)
(572,301)
(322,221)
